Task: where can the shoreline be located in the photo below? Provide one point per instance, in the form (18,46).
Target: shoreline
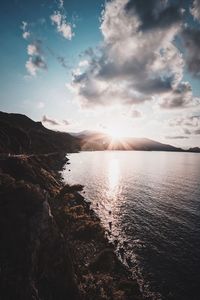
(87,260)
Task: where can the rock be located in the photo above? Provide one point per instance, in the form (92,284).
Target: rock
(35,261)
(70,189)
(105,261)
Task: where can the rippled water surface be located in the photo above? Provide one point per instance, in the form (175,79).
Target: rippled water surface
(150,201)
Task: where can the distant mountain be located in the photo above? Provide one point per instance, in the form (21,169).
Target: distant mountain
(100,141)
(84,133)
(20,134)
(194,149)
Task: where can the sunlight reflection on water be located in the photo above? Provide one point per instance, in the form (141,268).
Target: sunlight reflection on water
(152,201)
(113,177)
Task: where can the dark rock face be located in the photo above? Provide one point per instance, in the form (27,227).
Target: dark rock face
(19,134)
(35,261)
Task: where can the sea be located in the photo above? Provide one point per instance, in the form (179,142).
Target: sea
(149,205)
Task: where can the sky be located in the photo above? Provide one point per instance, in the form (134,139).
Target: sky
(124,67)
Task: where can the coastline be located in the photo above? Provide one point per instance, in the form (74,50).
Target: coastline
(69,256)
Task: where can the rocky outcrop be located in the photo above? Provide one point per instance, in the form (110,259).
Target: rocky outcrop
(35,261)
(20,134)
(53,246)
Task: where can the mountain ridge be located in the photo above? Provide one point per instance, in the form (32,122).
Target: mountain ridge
(92,140)
(20,134)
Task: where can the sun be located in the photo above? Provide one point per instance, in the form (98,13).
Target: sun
(115,133)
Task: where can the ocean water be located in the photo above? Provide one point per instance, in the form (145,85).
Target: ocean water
(149,203)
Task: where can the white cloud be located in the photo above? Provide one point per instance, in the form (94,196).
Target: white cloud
(64,28)
(189,124)
(33,49)
(195,9)
(34,64)
(30,66)
(25,33)
(83,63)
(36,60)
(138,59)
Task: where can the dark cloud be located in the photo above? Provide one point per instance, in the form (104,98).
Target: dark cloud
(63,62)
(179,97)
(154,13)
(39,62)
(197,131)
(46,119)
(61,59)
(186,131)
(178,137)
(65,122)
(194,132)
(191,38)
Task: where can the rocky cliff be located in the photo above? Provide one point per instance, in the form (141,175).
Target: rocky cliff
(52,244)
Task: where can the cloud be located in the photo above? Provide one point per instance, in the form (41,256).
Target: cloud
(83,63)
(34,49)
(191,120)
(63,62)
(61,59)
(179,97)
(178,137)
(61,4)
(195,9)
(50,121)
(154,13)
(137,61)
(186,131)
(196,131)
(191,39)
(135,114)
(190,124)
(25,33)
(64,28)
(65,122)
(36,60)
(53,122)
(34,64)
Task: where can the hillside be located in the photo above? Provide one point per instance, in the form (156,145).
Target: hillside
(20,134)
(53,246)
